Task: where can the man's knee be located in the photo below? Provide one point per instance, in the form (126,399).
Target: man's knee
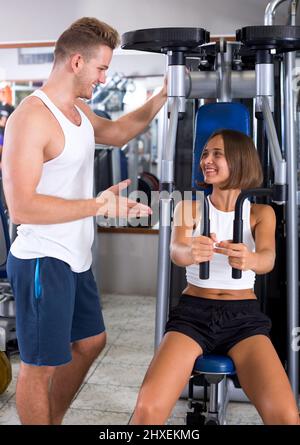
(34,373)
(90,347)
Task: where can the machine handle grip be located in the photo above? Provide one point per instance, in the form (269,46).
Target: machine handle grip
(204,271)
(237,238)
(204,267)
(236,273)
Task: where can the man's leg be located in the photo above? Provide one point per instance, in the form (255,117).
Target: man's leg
(32,395)
(44,393)
(87,321)
(67,378)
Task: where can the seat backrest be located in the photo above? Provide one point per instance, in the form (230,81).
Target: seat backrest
(212,117)
(4,241)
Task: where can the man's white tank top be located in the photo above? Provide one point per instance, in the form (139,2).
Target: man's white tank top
(221,223)
(68,176)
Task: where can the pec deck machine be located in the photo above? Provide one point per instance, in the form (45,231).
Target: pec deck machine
(250,86)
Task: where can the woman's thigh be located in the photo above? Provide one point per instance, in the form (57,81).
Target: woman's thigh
(264,380)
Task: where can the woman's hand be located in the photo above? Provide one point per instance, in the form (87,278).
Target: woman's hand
(202,248)
(238,254)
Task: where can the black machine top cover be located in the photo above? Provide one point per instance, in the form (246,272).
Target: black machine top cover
(160,40)
(281,38)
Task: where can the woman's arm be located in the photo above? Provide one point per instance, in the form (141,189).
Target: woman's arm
(184,248)
(262,260)
(265,251)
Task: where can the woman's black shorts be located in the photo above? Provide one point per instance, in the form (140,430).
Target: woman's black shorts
(217,325)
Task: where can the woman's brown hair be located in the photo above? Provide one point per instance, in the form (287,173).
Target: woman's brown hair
(245,170)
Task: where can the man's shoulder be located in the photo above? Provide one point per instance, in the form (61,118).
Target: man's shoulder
(31,108)
(31,102)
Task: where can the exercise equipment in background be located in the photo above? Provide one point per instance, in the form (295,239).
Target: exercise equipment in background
(5,372)
(8,342)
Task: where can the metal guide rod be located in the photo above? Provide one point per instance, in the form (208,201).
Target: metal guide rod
(165,214)
(224,61)
(289,127)
(169,148)
(291,223)
(278,162)
(270,11)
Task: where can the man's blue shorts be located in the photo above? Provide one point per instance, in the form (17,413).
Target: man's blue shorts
(54,307)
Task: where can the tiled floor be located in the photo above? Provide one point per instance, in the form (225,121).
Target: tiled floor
(109,392)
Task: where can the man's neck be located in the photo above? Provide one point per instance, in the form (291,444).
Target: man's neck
(59,89)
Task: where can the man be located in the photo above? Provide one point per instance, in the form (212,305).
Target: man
(48,170)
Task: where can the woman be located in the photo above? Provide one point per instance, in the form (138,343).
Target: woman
(221,314)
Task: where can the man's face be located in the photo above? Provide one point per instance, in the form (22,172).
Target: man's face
(93,72)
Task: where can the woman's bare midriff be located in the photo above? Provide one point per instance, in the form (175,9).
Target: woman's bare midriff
(219,294)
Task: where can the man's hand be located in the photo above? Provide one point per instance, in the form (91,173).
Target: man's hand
(110,203)
(164,90)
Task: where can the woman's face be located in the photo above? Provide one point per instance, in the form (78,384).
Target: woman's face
(213,162)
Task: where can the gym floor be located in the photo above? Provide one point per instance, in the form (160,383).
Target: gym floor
(108,394)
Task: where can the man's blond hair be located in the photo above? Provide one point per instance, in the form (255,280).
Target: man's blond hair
(84,36)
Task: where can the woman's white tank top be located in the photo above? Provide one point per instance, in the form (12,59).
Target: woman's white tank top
(221,223)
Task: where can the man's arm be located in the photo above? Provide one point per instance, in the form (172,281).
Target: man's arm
(127,127)
(23,155)
(27,134)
